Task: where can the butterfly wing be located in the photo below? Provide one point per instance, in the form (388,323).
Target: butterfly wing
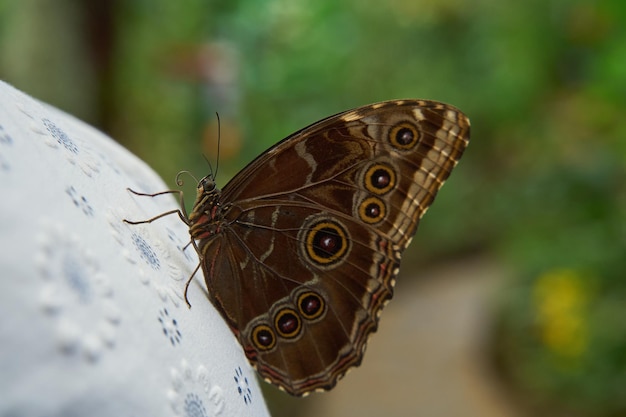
(315,229)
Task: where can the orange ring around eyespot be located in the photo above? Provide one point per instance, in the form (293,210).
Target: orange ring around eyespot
(374,173)
(337,231)
(318,313)
(393,136)
(365,204)
(298,325)
(255,337)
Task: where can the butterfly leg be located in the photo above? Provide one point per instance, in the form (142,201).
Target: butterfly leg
(182,212)
(189,282)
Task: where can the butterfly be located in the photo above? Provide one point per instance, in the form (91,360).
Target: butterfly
(301,249)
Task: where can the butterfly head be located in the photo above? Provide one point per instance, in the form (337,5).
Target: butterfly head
(207,196)
(206,185)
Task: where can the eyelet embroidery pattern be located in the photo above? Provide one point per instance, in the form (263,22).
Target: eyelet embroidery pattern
(194,407)
(55,137)
(170,327)
(243,386)
(145,251)
(79,201)
(60,136)
(76,295)
(192,394)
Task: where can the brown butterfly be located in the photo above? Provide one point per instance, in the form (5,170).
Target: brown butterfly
(301,248)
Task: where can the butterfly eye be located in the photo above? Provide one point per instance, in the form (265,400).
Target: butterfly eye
(207,184)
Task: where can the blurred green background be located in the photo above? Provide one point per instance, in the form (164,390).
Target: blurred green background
(542,187)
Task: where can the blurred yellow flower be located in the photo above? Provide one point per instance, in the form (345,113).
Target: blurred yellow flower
(561,300)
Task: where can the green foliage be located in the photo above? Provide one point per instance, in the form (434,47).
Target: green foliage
(562,337)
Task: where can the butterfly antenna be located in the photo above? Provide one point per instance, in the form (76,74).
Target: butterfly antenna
(210,166)
(179,180)
(219,140)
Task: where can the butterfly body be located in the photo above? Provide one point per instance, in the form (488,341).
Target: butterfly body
(300,250)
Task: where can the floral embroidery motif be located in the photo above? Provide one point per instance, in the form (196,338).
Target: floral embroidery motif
(243,386)
(79,201)
(76,295)
(192,394)
(170,327)
(61,137)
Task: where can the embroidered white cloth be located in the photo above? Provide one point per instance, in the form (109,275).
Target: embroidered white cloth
(92,319)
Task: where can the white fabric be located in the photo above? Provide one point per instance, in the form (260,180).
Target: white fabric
(92,319)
